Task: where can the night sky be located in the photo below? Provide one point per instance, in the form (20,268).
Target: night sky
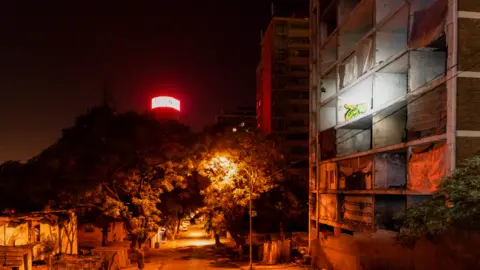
(56,57)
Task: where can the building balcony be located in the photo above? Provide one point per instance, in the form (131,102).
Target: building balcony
(383,93)
(348,186)
(366,112)
(366,213)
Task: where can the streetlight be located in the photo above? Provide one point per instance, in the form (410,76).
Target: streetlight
(228,167)
(230,170)
(250,219)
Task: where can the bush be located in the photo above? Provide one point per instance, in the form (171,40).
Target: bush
(453,206)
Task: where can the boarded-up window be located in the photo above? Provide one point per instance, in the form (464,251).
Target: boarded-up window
(328,207)
(426,167)
(328,176)
(358,211)
(427,114)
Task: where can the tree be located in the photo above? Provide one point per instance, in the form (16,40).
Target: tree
(9,170)
(121,164)
(181,202)
(48,246)
(117,163)
(454,206)
(280,209)
(240,166)
(138,159)
(133,198)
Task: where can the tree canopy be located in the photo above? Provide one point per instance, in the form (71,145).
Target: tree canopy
(118,163)
(132,167)
(239,165)
(453,206)
(182,201)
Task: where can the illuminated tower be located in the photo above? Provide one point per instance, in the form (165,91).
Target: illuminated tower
(166,108)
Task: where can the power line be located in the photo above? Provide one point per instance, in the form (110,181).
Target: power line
(408,102)
(288,166)
(421,95)
(426,92)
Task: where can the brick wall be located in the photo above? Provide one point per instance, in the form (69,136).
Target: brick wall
(469,44)
(469,5)
(467,147)
(468,102)
(468,89)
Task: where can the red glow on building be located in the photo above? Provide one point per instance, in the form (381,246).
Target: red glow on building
(266,83)
(165,102)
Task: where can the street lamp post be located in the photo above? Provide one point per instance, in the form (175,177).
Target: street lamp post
(225,163)
(250,217)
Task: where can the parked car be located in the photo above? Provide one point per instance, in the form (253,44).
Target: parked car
(186,223)
(184,228)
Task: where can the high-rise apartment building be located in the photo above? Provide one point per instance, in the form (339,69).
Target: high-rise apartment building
(282,88)
(394,87)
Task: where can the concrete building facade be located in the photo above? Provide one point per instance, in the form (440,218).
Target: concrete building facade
(393,89)
(282,88)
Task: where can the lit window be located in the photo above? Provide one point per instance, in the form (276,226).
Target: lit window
(234,129)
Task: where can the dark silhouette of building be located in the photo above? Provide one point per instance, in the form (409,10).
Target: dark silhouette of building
(241,119)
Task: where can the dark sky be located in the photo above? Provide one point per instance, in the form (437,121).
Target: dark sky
(55,57)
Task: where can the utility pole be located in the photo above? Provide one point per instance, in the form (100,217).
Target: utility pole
(250,210)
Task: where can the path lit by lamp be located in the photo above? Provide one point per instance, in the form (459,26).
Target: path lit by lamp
(165,102)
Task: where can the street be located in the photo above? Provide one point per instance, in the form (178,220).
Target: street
(192,250)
